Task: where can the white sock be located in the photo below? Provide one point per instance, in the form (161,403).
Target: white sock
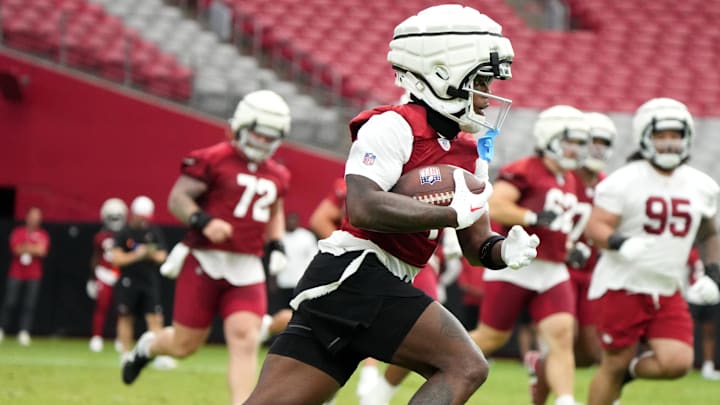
(566,399)
(143,345)
(708,365)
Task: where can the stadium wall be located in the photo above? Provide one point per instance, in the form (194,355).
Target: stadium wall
(73,141)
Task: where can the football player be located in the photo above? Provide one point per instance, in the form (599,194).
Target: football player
(231,196)
(100,287)
(582,255)
(539,192)
(646,216)
(355,299)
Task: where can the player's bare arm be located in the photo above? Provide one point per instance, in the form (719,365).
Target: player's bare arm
(707,241)
(473,238)
(276,225)
(181,203)
(324,218)
(503,201)
(370,207)
(601,226)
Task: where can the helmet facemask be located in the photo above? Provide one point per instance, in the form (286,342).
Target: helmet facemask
(667,154)
(258,143)
(474,121)
(599,151)
(569,142)
(114,222)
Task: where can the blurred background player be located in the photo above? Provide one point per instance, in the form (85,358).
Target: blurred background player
(582,255)
(139,251)
(354,300)
(29,244)
(113,214)
(539,192)
(231,196)
(328,214)
(706,317)
(300,247)
(646,216)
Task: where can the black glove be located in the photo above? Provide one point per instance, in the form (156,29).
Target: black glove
(545,218)
(578,256)
(712,270)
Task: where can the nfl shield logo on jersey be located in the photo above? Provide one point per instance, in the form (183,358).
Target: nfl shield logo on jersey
(430,175)
(369,158)
(444,144)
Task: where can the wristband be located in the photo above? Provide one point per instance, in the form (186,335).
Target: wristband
(199,219)
(615,241)
(485,253)
(275,245)
(712,270)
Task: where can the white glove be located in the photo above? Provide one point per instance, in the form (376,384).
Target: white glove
(91,289)
(518,248)
(175,260)
(451,245)
(703,292)
(635,246)
(277,263)
(468,206)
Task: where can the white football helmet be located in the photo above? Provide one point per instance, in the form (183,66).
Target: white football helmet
(143,206)
(437,55)
(661,114)
(113,214)
(557,125)
(601,127)
(263,112)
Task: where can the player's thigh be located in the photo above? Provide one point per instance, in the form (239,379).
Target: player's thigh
(672,354)
(188,338)
(557,330)
(437,340)
(287,381)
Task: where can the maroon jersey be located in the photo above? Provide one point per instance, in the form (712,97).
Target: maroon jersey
(427,149)
(541,190)
(103,244)
(239,191)
(26,267)
(585,195)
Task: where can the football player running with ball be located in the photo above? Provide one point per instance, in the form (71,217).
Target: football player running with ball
(231,196)
(356,299)
(646,216)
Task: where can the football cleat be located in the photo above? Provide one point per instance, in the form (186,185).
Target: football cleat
(539,388)
(136,360)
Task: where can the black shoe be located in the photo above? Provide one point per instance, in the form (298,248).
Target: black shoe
(133,366)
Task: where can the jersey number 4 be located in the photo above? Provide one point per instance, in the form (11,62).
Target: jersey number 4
(254,186)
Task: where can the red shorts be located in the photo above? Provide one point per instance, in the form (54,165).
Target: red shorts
(503,302)
(198,297)
(580,283)
(427,281)
(622,319)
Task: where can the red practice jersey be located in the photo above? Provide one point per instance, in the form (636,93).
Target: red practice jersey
(26,267)
(239,191)
(427,149)
(585,195)
(541,190)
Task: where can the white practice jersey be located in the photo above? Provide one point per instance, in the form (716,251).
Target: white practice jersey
(300,248)
(668,208)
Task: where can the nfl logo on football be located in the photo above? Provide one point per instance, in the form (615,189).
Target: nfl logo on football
(430,175)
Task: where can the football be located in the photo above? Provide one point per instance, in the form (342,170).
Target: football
(434,184)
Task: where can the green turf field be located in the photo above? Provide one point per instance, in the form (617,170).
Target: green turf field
(55,371)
